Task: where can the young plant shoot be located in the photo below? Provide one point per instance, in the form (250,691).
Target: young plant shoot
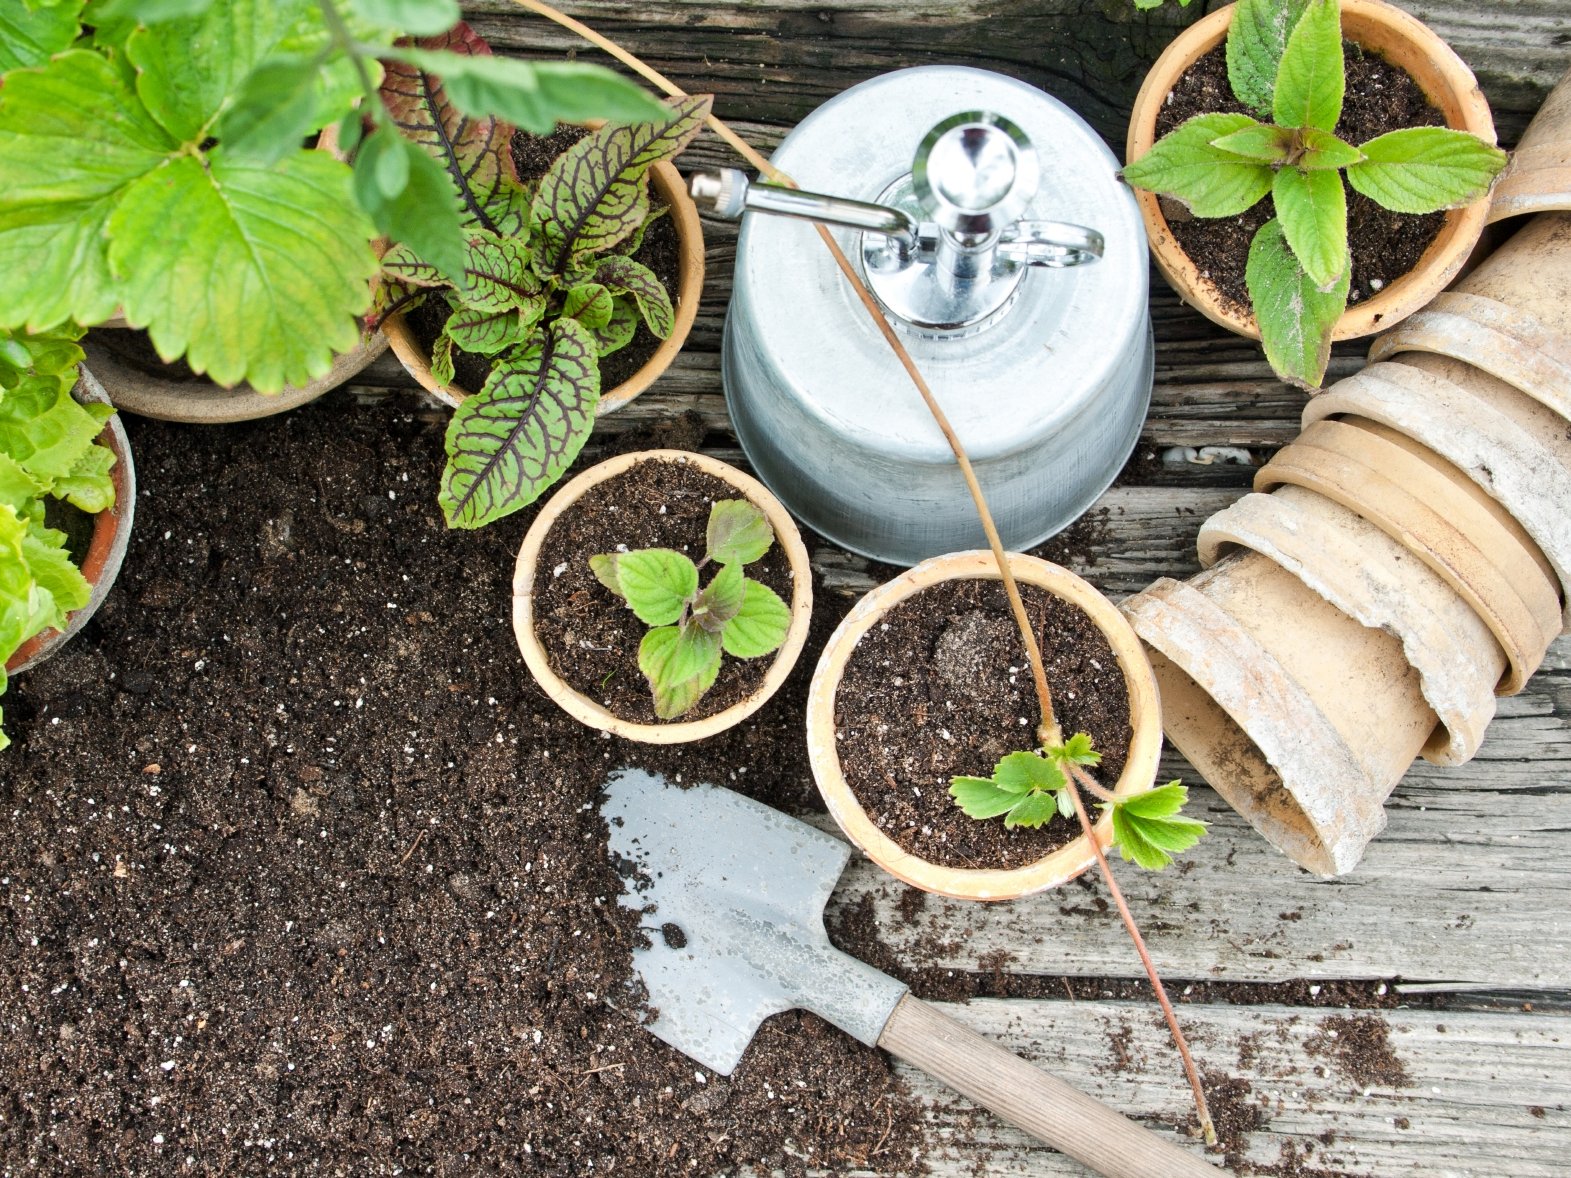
(543,283)
(732,614)
(1284,62)
(1029,788)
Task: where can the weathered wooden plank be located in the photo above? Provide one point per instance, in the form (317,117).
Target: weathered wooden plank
(1452,1095)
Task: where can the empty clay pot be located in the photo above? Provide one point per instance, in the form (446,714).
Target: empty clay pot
(1375,579)
(1145,745)
(1300,716)
(1443,518)
(1538,179)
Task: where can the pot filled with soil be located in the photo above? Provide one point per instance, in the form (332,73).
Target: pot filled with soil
(1399,76)
(649,514)
(927,679)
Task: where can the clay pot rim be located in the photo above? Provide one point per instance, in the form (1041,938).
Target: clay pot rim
(1058,866)
(107,547)
(1383,27)
(586,710)
(689,289)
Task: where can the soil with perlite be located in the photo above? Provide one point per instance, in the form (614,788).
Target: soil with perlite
(1384,245)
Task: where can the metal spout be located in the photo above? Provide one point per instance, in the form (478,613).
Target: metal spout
(729,193)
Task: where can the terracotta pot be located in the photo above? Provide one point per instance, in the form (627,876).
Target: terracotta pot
(1375,580)
(1443,518)
(586,710)
(1510,445)
(1511,317)
(969,883)
(1401,40)
(110,536)
(1300,716)
(1538,178)
(668,183)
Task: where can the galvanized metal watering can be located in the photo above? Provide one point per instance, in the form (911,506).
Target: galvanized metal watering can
(988,220)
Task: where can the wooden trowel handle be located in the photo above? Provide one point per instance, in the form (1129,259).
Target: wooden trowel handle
(1025,1096)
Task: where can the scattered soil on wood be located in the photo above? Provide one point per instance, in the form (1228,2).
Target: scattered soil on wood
(660,251)
(941,686)
(589,635)
(1359,1047)
(1385,245)
(301,872)
(1235,1111)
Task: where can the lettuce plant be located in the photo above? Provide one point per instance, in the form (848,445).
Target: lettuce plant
(1028,788)
(1284,61)
(547,283)
(48,450)
(733,614)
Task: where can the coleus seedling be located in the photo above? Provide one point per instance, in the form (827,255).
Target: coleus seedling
(547,284)
(1028,788)
(733,614)
(48,449)
(1284,61)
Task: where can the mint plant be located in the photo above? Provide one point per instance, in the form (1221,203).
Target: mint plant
(48,450)
(1284,61)
(733,614)
(545,287)
(1028,788)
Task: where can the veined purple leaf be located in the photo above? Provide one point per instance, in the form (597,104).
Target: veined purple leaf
(509,443)
(486,333)
(404,266)
(596,194)
(475,152)
(619,331)
(497,275)
(622,275)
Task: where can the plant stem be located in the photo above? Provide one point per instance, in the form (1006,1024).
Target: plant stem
(1078,776)
(347,44)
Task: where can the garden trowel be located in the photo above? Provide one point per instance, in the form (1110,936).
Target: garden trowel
(738,893)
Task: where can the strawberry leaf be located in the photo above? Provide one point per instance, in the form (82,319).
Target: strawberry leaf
(980,797)
(31,35)
(1021,772)
(410,198)
(1149,829)
(1032,810)
(1078,748)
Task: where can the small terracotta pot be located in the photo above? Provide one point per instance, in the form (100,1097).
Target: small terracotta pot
(667,182)
(1538,178)
(1511,317)
(1300,716)
(586,710)
(1405,43)
(1443,518)
(1068,861)
(1509,444)
(111,535)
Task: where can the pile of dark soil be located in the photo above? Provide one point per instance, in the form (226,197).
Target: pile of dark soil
(301,872)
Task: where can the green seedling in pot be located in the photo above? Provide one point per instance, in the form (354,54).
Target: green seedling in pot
(732,614)
(1028,788)
(1284,61)
(48,450)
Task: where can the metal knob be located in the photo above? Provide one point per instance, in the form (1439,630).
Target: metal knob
(975,173)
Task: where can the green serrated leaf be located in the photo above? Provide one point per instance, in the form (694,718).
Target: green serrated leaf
(261,228)
(274,109)
(1148,829)
(1162,802)
(1312,209)
(88,485)
(760,625)
(1295,317)
(413,18)
(1133,846)
(1079,749)
(488,333)
(31,36)
(1323,150)
(422,213)
(1425,169)
(673,700)
(980,797)
(721,599)
(512,441)
(680,663)
(146,12)
(1032,810)
(1021,772)
(619,332)
(1256,38)
(44,429)
(1310,81)
(591,304)
(622,275)
(496,275)
(596,192)
(1260,142)
(738,532)
(54,573)
(656,582)
(1183,164)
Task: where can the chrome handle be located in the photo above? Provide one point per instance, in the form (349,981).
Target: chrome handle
(1050,243)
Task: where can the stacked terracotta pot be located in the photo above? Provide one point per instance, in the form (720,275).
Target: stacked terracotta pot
(1399,565)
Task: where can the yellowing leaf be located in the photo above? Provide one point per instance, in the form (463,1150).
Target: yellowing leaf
(738,532)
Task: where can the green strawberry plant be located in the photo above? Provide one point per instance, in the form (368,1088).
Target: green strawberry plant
(1284,61)
(1028,788)
(151,162)
(48,450)
(546,285)
(693,626)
